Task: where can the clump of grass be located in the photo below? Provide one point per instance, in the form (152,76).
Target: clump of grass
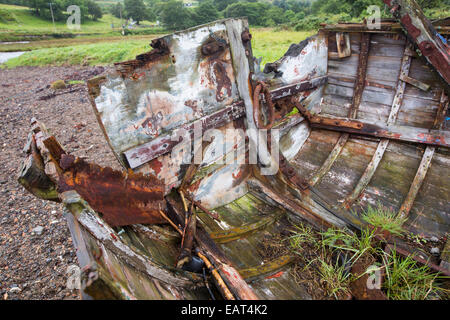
(345,240)
(385,219)
(335,278)
(406,280)
(74,82)
(303,234)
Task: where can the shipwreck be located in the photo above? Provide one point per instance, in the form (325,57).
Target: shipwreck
(351,117)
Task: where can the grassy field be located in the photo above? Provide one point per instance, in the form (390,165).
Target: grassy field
(266,43)
(98,44)
(271,44)
(18,23)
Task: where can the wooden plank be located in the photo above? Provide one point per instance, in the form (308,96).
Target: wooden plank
(210,249)
(424,164)
(330,160)
(382,130)
(266,268)
(240,232)
(360,83)
(381,148)
(415,82)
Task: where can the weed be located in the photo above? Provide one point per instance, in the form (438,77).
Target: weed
(303,234)
(406,280)
(335,278)
(385,219)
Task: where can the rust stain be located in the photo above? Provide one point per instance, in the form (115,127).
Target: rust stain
(160,49)
(413,31)
(276,275)
(122,198)
(156,165)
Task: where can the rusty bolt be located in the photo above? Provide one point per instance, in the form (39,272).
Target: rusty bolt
(246,36)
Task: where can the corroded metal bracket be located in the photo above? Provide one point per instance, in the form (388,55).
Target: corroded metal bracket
(423,34)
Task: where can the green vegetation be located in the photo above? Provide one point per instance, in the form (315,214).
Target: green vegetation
(335,278)
(271,43)
(406,280)
(116,49)
(334,252)
(90,54)
(385,219)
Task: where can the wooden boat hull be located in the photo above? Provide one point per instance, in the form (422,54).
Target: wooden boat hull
(371,128)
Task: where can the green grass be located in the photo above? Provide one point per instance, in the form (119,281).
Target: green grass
(103,51)
(385,219)
(19,23)
(271,44)
(90,54)
(334,278)
(406,280)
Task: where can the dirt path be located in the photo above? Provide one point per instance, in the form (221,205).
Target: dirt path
(33,265)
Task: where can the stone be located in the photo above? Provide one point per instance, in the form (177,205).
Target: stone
(15,290)
(58,84)
(435,251)
(434,239)
(38,230)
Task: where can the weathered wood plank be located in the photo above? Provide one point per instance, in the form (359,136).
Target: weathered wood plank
(381,148)
(360,83)
(425,163)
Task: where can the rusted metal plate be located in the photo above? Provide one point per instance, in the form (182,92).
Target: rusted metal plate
(122,198)
(422,32)
(164,143)
(187,76)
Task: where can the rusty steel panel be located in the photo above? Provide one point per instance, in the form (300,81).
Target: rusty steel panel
(422,32)
(187,76)
(122,198)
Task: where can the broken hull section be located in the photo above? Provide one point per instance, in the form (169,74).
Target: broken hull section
(364,99)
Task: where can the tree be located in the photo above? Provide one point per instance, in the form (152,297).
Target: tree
(222,4)
(117,10)
(137,10)
(205,12)
(254,11)
(94,10)
(175,16)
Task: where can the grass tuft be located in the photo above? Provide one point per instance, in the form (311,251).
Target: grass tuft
(406,280)
(385,219)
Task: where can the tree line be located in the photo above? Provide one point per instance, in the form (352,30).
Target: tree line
(175,15)
(89,9)
(301,14)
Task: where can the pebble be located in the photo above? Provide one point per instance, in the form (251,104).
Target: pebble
(434,239)
(14,290)
(435,251)
(38,230)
